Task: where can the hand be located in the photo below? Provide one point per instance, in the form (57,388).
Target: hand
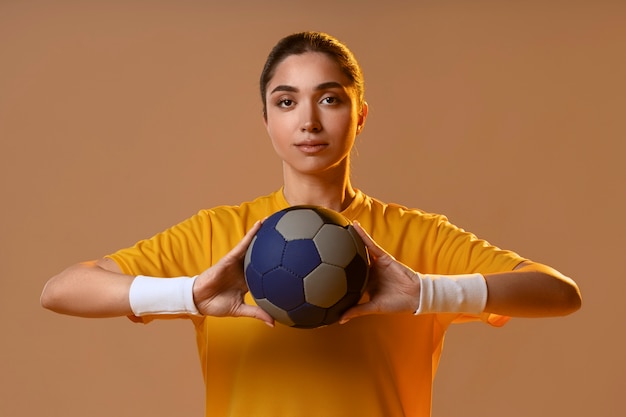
(393,287)
(219,291)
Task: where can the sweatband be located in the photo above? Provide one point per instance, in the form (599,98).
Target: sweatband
(149,295)
(452,293)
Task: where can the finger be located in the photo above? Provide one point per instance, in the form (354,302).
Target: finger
(358,311)
(256,312)
(245,241)
(240,248)
(372,246)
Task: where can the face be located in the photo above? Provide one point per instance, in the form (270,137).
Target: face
(313,114)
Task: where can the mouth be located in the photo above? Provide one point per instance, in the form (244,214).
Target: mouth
(311,147)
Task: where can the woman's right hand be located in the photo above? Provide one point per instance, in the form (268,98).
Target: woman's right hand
(219,291)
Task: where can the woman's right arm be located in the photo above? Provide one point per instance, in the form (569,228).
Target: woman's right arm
(89,289)
(100,289)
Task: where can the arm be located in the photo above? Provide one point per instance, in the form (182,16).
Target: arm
(530,290)
(99,289)
(89,289)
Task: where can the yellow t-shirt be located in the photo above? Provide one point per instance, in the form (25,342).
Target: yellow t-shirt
(378,366)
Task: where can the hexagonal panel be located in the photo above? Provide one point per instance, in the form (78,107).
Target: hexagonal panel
(335,245)
(299,224)
(325,285)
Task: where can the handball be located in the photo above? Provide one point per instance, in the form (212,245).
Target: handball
(306,266)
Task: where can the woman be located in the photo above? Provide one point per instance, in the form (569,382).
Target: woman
(426,273)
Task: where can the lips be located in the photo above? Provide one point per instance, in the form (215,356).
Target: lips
(311,147)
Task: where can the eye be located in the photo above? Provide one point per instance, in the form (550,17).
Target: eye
(285,102)
(330,100)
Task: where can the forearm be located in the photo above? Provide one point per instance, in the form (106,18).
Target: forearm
(531,290)
(88,290)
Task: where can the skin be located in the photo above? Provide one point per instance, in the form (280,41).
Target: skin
(313,118)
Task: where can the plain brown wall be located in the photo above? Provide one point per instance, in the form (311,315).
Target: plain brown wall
(120,118)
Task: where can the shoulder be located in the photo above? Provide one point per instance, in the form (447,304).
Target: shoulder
(397,214)
(257,208)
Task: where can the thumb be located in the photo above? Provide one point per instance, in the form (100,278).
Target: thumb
(256,312)
(374,249)
(358,311)
(242,246)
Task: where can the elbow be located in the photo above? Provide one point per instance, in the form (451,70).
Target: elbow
(567,297)
(50,296)
(572,299)
(559,294)
(57,292)
(60,290)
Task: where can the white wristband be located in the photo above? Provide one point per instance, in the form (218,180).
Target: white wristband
(149,295)
(452,294)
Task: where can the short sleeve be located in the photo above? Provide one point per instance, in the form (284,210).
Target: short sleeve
(181,250)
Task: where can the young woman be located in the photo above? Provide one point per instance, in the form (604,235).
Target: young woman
(426,273)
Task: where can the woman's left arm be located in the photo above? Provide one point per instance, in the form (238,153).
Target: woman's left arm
(531,290)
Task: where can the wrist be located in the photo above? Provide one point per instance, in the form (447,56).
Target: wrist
(452,293)
(156,296)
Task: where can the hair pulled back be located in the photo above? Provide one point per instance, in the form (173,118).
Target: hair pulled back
(302,42)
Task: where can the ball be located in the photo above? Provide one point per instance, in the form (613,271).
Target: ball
(306,266)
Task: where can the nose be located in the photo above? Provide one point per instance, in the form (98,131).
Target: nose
(310,120)
(312,126)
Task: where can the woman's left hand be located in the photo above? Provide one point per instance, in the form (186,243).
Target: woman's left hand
(393,287)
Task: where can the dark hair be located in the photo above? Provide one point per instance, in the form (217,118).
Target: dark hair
(299,43)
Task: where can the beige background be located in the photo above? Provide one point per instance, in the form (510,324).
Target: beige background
(120,118)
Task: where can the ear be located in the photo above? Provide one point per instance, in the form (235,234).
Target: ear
(362,117)
(264,117)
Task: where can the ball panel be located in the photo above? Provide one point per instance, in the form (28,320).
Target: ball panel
(332,217)
(325,286)
(300,257)
(255,282)
(248,257)
(271,221)
(267,251)
(277,313)
(334,313)
(299,224)
(335,245)
(283,288)
(308,316)
(357,273)
(358,243)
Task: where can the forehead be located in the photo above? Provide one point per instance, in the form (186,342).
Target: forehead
(307,70)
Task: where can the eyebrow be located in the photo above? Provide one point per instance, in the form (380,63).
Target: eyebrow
(322,86)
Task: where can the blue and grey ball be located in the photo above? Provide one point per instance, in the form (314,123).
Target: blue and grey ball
(306,266)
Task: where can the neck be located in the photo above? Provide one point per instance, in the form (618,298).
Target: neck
(333,191)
